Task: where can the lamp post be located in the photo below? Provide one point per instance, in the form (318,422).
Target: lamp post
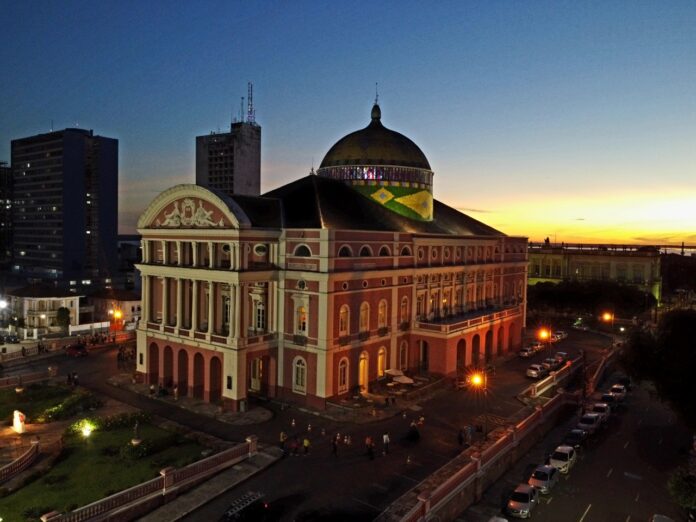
(608,317)
(480,381)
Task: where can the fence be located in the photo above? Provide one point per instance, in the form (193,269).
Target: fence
(480,468)
(14,381)
(21,463)
(169,482)
(19,352)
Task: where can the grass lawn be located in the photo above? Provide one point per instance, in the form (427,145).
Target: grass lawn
(92,469)
(35,398)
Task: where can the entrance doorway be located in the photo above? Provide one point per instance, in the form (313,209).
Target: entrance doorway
(363,372)
(256,373)
(424,356)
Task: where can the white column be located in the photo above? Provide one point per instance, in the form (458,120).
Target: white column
(231,312)
(178,253)
(179,297)
(143,249)
(237,309)
(165,301)
(194,306)
(194,252)
(211,259)
(145,299)
(165,256)
(211,318)
(231,251)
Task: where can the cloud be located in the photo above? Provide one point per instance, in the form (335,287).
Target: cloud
(480,211)
(579,219)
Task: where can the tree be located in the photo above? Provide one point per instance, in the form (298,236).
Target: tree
(682,488)
(667,358)
(63,317)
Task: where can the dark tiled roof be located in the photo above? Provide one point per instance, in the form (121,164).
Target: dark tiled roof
(262,212)
(318,202)
(116,294)
(42,290)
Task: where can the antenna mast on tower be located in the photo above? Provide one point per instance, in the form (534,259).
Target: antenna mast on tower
(251,115)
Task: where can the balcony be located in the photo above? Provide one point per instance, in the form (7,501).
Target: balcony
(384,330)
(363,336)
(404,326)
(300,340)
(462,321)
(343,340)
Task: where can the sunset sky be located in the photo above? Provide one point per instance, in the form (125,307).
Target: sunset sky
(568,120)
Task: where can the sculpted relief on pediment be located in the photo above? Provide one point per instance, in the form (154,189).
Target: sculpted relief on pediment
(185,213)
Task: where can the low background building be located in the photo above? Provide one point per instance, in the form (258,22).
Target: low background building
(120,307)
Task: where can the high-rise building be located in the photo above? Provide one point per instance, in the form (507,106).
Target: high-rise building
(65,207)
(5,214)
(231,161)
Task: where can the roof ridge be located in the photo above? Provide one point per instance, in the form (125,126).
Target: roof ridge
(318,203)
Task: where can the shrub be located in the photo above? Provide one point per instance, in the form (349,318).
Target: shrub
(74,404)
(34,513)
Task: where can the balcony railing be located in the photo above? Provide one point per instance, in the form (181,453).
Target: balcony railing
(363,336)
(467,320)
(300,340)
(384,330)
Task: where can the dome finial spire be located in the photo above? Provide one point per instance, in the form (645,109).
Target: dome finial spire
(376,111)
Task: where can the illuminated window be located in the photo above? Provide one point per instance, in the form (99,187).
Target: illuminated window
(382,314)
(301,320)
(381,362)
(343,320)
(364,317)
(343,376)
(403,312)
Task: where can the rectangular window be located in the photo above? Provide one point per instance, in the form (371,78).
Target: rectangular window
(229,382)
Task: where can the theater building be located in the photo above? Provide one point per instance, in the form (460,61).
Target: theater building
(312,291)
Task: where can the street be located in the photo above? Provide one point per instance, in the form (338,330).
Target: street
(351,486)
(621,475)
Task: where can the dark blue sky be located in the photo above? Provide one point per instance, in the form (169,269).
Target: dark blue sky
(568,118)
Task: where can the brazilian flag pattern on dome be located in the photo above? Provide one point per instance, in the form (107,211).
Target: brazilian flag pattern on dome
(412,202)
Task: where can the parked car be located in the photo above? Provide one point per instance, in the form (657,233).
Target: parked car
(575,438)
(603,409)
(563,458)
(249,507)
(76,350)
(610,399)
(618,391)
(526,352)
(543,478)
(551,364)
(590,422)
(560,334)
(522,501)
(561,357)
(626,381)
(11,339)
(536,371)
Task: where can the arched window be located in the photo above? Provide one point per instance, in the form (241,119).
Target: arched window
(365,251)
(381,362)
(384,251)
(382,314)
(260,316)
(406,251)
(403,311)
(343,375)
(302,251)
(344,320)
(299,375)
(403,356)
(364,317)
(301,320)
(345,251)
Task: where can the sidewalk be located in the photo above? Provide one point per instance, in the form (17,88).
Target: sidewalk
(214,487)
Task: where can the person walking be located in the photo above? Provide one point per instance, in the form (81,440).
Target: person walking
(75,379)
(283,439)
(385,443)
(370,447)
(334,445)
(176,392)
(306,443)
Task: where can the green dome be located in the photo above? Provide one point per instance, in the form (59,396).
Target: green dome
(375,145)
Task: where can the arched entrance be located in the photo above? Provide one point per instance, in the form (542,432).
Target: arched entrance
(461,354)
(511,337)
(489,346)
(182,372)
(424,365)
(153,364)
(256,374)
(381,362)
(215,379)
(501,341)
(403,356)
(168,367)
(363,372)
(198,376)
(475,350)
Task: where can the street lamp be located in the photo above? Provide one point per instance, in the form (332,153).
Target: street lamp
(608,317)
(479,380)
